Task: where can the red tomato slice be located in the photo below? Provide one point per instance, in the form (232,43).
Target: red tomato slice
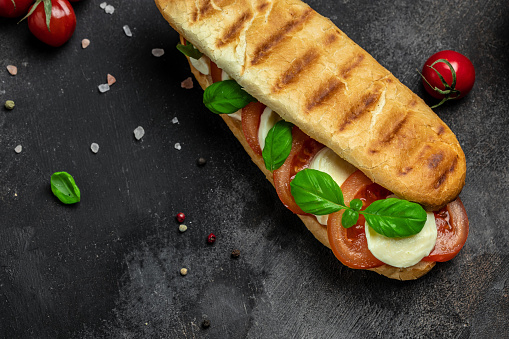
(349,244)
(215,72)
(452,227)
(303,150)
(250,123)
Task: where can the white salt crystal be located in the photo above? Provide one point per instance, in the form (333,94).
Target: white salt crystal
(109,9)
(157,52)
(103,88)
(94,147)
(127,31)
(175,120)
(139,132)
(18,149)
(178,147)
(103,5)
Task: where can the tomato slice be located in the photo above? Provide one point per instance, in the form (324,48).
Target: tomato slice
(303,150)
(452,227)
(215,72)
(250,123)
(349,244)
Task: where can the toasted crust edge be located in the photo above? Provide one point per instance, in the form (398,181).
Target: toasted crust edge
(318,230)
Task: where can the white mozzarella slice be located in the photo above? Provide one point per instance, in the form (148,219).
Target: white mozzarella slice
(329,162)
(403,252)
(267,120)
(224,76)
(202,64)
(237,115)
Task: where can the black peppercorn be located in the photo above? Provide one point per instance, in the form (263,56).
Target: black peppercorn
(205,323)
(201,161)
(235,254)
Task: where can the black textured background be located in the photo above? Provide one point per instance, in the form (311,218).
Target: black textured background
(109,266)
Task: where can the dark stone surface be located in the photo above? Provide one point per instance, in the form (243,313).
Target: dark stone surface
(109,266)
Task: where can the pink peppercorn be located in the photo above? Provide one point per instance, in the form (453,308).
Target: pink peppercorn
(181,217)
(211,238)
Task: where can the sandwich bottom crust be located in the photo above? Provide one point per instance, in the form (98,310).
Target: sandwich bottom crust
(318,230)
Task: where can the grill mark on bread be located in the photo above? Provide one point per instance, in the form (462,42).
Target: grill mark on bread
(347,70)
(299,65)
(324,93)
(442,178)
(365,105)
(263,50)
(201,10)
(435,160)
(332,37)
(233,32)
(262,7)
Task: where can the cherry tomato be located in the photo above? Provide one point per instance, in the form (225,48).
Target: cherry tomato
(303,150)
(62,24)
(250,123)
(349,244)
(452,227)
(8,10)
(459,82)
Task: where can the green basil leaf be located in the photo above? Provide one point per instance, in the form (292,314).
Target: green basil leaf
(278,145)
(190,50)
(226,97)
(316,192)
(349,218)
(356,204)
(64,188)
(395,218)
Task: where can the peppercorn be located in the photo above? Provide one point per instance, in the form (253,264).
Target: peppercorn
(211,238)
(205,323)
(201,161)
(235,254)
(181,217)
(9,104)
(182,228)
(183,271)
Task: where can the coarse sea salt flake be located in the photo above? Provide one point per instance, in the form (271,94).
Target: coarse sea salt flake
(85,43)
(139,132)
(94,147)
(103,5)
(127,31)
(18,149)
(109,9)
(177,146)
(103,88)
(175,120)
(157,52)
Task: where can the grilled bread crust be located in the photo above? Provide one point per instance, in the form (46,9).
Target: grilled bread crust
(317,229)
(302,66)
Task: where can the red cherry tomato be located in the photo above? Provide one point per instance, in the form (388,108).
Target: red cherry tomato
(8,10)
(459,82)
(303,150)
(62,24)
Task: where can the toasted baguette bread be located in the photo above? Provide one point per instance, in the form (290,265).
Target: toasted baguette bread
(317,229)
(307,70)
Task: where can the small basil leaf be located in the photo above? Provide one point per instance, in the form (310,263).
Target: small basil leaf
(278,145)
(356,204)
(64,188)
(226,97)
(349,218)
(395,218)
(316,192)
(190,50)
